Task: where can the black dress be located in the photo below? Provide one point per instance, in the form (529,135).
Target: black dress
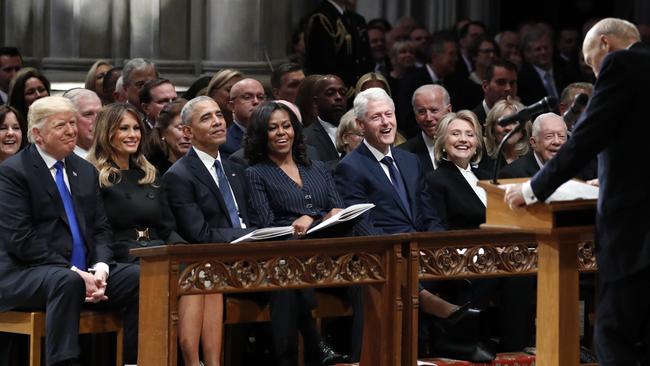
(139,215)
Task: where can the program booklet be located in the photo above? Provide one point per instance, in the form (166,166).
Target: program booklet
(265,233)
(346,214)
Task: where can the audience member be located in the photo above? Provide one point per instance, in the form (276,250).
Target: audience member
(402,59)
(458,145)
(569,95)
(377,40)
(26,87)
(467,34)
(136,205)
(483,52)
(288,189)
(393,180)
(538,76)
(516,146)
(95,77)
(135,74)
(61,265)
(169,142)
(11,62)
(336,43)
(348,134)
(245,95)
(208,198)
(430,104)
(87,105)
(419,37)
(109,85)
(500,83)
(153,97)
(330,98)
(509,47)
(219,90)
(305,99)
(285,81)
(11,137)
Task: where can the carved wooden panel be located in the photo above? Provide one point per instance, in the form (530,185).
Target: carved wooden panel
(282,271)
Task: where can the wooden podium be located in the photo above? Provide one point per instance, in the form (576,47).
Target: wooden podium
(558,228)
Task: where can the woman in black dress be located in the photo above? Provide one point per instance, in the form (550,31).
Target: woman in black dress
(135,203)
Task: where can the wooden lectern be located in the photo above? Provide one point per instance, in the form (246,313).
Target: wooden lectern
(558,227)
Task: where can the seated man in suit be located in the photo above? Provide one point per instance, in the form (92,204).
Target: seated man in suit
(245,95)
(430,103)
(499,84)
(330,98)
(55,236)
(393,180)
(549,133)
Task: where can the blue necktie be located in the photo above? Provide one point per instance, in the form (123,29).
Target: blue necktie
(226,193)
(549,84)
(397,181)
(78,249)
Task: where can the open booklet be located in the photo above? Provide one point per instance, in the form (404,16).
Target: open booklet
(572,190)
(265,233)
(346,214)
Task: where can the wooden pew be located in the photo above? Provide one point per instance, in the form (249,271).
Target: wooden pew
(266,266)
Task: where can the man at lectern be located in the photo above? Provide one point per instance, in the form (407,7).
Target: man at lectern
(612,48)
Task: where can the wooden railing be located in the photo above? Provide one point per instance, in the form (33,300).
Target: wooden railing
(390,266)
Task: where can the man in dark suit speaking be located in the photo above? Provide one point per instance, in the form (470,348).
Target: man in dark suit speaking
(55,236)
(622,65)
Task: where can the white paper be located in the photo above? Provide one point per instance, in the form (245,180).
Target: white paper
(265,233)
(572,190)
(346,214)
(424,363)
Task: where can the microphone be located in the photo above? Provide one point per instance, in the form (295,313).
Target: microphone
(572,114)
(544,105)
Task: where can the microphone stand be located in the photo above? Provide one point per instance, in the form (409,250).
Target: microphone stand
(497,163)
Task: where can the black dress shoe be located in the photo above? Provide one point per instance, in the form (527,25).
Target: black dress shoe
(473,351)
(462,314)
(329,356)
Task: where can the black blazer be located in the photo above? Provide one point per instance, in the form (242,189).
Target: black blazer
(621,94)
(201,214)
(479,111)
(34,228)
(455,201)
(527,166)
(360,179)
(417,146)
(531,87)
(317,137)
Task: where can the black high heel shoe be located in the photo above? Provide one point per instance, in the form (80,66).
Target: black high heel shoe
(465,318)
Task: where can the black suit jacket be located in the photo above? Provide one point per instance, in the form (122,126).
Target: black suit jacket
(530,86)
(200,211)
(34,229)
(360,179)
(417,146)
(316,136)
(527,166)
(479,111)
(347,55)
(457,204)
(621,94)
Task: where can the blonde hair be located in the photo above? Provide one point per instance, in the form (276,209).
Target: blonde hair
(102,152)
(500,109)
(369,77)
(441,134)
(91,76)
(220,79)
(43,108)
(348,123)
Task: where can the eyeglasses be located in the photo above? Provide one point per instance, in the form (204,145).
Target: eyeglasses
(247,97)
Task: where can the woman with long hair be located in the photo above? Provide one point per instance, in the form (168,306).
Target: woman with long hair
(25,88)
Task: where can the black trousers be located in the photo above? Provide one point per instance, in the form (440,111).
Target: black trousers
(62,294)
(623,321)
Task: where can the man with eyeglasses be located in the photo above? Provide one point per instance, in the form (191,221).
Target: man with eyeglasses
(245,95)
(430,103)
(135,74)
(153,97)
(10,63)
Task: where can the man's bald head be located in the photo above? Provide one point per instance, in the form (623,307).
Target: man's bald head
(608,35)
(245,95)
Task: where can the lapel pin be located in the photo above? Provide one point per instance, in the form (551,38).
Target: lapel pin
(74,173)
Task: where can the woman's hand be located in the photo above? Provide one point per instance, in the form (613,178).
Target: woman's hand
(301,225)
(333,212)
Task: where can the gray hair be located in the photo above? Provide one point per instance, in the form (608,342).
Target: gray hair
(133,65)
(188,109)
(347,123)
(614,27)
(75,94)
(537,124)
(367,96)
(431,88)
(119,84)
(43,108)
